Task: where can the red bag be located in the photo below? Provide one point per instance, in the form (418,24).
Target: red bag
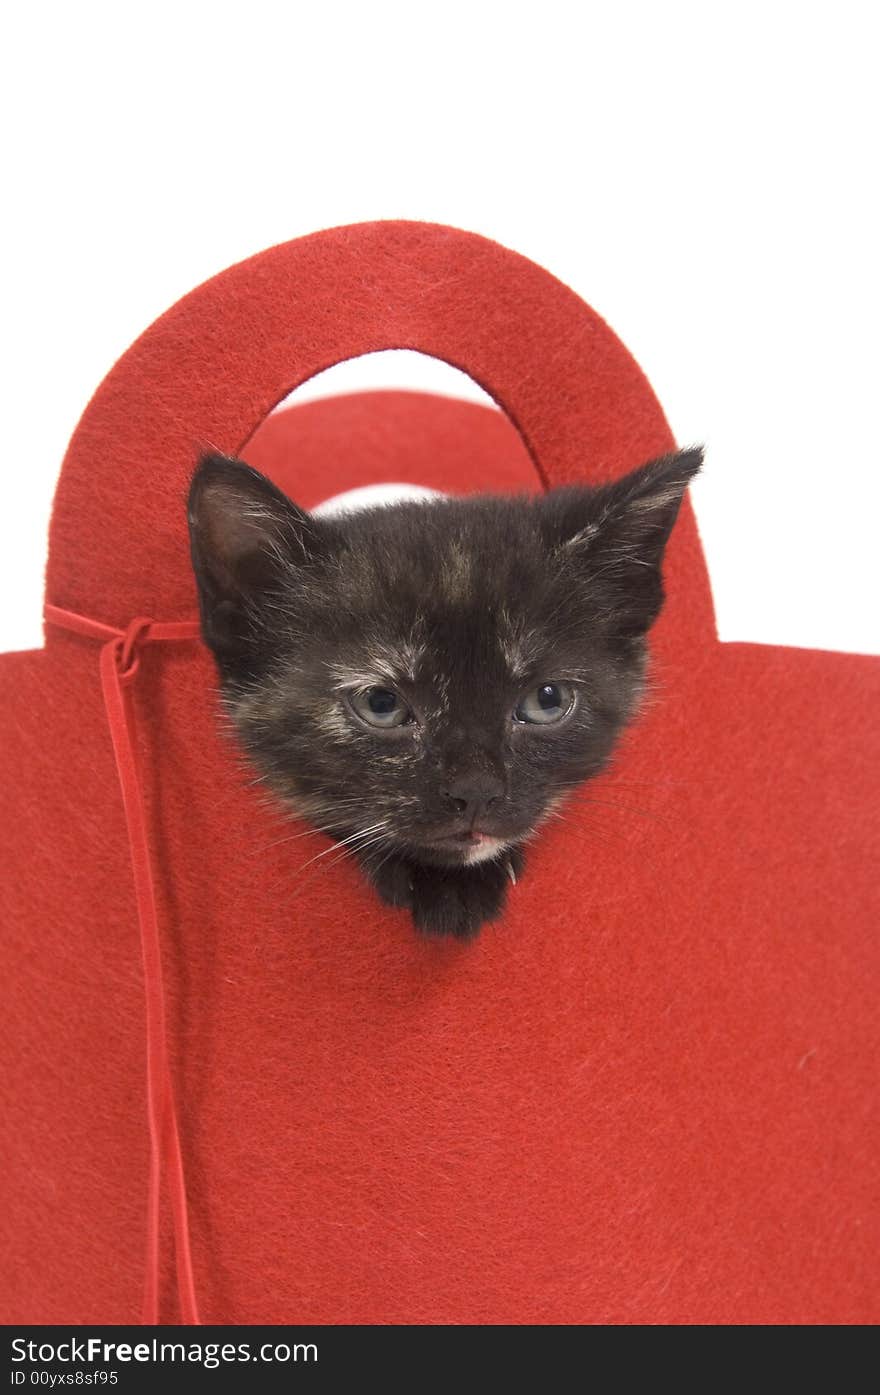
(647,1095)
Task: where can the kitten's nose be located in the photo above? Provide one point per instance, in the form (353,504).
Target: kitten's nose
(473,793)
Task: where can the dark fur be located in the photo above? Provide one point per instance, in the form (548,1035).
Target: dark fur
(461,606)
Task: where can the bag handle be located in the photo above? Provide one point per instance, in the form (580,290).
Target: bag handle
(211,368)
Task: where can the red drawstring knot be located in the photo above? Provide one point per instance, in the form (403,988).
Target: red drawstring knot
(128,661)
(119,662)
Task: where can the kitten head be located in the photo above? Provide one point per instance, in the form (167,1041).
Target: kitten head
(433,675)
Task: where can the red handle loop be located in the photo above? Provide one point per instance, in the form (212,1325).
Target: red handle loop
(211,369)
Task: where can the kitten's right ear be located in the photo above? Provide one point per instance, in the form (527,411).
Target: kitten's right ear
(616,534)
(246,539)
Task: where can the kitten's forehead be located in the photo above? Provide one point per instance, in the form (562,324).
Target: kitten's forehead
(445,648)
(520,643)
(458,600)
(456,573)
(394,660)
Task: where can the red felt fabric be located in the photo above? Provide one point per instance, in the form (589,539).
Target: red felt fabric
(647,1095)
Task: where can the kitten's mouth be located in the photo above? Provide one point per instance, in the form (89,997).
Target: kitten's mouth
(470,837)
(467,845)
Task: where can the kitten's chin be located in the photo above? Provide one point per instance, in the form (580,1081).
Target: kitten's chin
(482,851)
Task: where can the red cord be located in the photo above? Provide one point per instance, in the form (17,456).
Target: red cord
(119,662)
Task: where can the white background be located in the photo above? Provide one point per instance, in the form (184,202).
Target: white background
(704,175)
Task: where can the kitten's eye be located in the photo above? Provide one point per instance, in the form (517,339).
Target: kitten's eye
(380,707)
(549,703)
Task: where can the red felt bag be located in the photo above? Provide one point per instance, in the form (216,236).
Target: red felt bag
(646,1095)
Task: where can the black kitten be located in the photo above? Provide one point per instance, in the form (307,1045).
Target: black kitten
(427,680)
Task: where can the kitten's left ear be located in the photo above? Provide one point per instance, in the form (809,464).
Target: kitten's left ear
(617,534)
(247,540)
